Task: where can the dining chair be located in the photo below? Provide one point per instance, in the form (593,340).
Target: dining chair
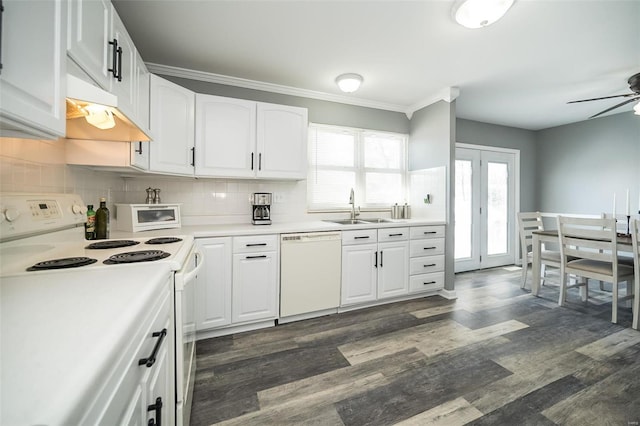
(635,242)
(593,244)
(529,222)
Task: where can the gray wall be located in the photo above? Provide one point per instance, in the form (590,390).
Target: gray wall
(581,165)
(477,133)
(432,144)
(321,112)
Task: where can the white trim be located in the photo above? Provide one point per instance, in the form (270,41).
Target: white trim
(447,94)
(448,294)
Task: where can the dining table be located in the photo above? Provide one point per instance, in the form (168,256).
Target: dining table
(623,245)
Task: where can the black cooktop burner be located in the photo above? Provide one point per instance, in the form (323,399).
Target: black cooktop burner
(136,256)
(109,244)
(67,262)
(163,240)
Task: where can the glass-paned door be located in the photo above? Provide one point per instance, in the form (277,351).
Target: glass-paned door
(484,209)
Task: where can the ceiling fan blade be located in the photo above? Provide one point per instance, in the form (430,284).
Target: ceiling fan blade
(616,106)
(605,97)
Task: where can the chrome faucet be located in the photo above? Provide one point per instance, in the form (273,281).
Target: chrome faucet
(352,201)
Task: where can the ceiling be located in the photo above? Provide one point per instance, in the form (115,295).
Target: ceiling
(518,72)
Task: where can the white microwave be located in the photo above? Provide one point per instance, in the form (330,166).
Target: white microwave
(147,217)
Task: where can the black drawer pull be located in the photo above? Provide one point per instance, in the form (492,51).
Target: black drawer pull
(396,235)
(255,244)
(429,248)
(361,238)
(152,358)
(252,161)
(193,156)
(381,258)
(119,64)
(260,161)
(430,232)
(264,256)
(114,58)
(429,282)
(376,264)
(429,265)
(157,407)
(139,150)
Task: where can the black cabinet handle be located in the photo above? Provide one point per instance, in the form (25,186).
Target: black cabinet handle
(429,248)
(252,161)
(119,64)
(193,156)
(152,358)
(255,244)
(381,258)
(376,263)
(157,407)
(1,16)
(114,58)
(429,265)
(139,149)
(396,235)
(264,256)
(429,232)
(361,237)
(429,282)
(260,161)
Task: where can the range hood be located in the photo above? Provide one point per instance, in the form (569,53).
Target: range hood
(92,113)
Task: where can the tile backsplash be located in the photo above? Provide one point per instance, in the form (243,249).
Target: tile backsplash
(39,166)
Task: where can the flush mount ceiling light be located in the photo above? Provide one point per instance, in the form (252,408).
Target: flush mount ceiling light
(479,13)
(349,82)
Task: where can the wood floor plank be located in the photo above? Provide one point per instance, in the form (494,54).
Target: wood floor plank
(452,413)
(607,346)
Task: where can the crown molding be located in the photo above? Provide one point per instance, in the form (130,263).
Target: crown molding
(448,94)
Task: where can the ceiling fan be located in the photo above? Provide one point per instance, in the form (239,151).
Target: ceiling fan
(634,85)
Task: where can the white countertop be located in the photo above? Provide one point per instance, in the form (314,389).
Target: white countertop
(230,230)
(59,335)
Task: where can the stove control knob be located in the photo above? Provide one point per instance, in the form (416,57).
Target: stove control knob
(77,209)
(11,214)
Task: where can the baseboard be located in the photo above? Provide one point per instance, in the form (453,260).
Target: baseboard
(300,317)
(448,294)
(217,332)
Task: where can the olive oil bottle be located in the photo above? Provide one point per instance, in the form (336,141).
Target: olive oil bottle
(102,220)
(90,226)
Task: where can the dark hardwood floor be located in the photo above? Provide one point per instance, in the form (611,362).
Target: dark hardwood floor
(496,355)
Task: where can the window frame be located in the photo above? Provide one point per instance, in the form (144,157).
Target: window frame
(359,169)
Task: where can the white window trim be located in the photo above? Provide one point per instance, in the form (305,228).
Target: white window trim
(359,169)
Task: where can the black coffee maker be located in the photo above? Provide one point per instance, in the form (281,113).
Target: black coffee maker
(261,208)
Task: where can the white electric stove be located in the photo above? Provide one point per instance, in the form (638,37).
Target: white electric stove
(42,236)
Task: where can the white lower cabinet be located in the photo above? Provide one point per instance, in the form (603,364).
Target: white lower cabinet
(213,285)
(240,281)
(140,390)
(374,265)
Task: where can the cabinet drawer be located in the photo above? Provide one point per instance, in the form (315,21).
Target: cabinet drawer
(363,236)
(393,234)
(255,243)
(430,231)
(426,247)
(422,265)
(426,282)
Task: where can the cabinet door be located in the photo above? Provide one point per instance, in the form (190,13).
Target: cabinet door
(393,269)
(358,273)
(213,286)
(160,384)
(89,32)
(255,286)
(135,414)
(281,141)
(125,85)
(225,137)
(171,116)
(142,95)
(33,78)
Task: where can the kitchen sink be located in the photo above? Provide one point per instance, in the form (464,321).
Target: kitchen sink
(348,222)
(379,220)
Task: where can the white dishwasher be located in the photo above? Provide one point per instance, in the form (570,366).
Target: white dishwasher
(310,273)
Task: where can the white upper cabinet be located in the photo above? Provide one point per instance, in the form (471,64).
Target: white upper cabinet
(32,79)
(225,137)
(246,139)
(124,84)
(281,141)
(172,118)
(89,37)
